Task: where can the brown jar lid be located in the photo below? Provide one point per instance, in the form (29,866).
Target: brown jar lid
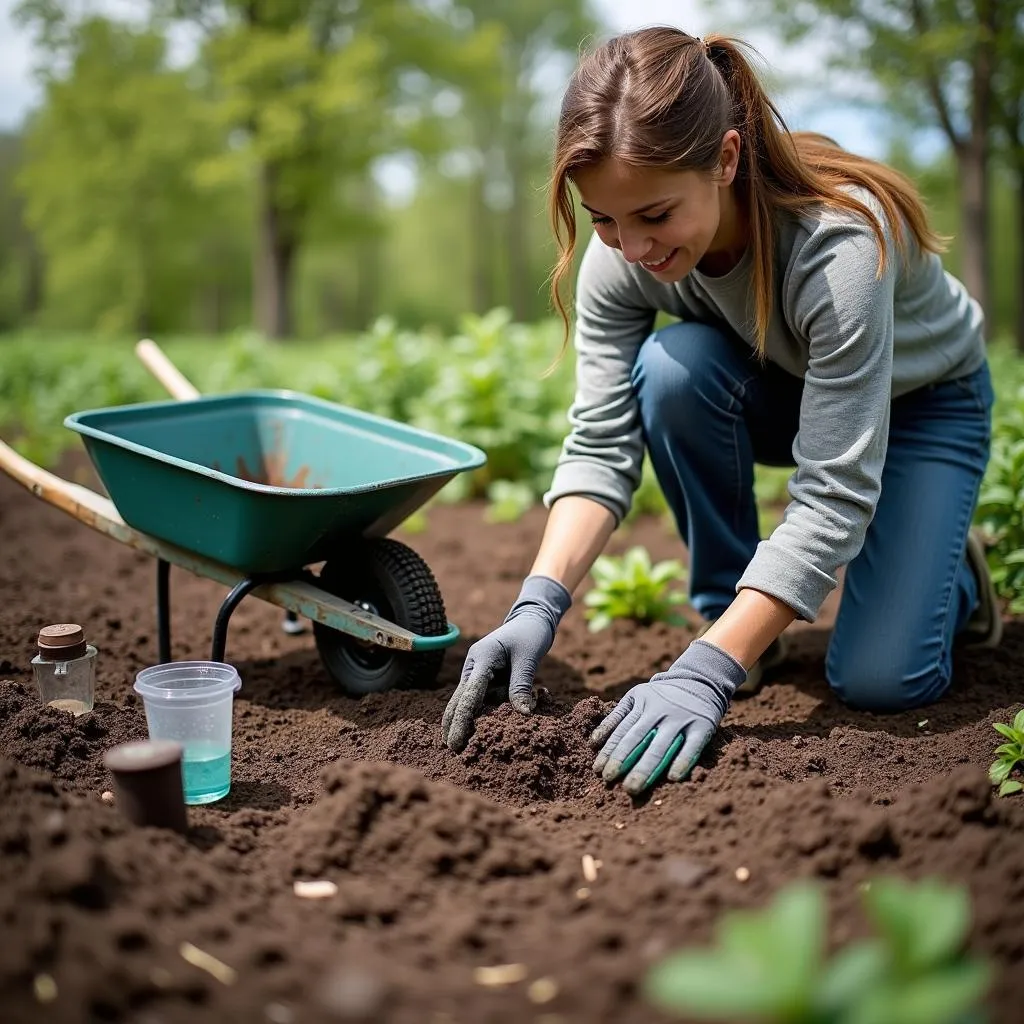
(148,783)
(61,641)
(142,756)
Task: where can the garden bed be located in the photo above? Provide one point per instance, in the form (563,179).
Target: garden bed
(447,863)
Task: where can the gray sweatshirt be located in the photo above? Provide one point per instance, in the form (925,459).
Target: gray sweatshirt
(857,340)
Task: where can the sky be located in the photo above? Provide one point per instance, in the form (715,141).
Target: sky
(17,92)
(855,129)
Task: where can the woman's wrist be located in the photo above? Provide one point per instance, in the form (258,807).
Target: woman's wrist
(577,531)
(749,625)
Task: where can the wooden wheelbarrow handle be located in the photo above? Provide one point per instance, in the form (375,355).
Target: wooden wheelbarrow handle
(84,504)
(302,597)
(154,359)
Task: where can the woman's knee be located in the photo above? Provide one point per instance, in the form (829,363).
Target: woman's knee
(886,681)
(682,361)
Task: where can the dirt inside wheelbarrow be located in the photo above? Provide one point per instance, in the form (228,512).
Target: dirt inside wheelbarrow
(446,863)
(271,469)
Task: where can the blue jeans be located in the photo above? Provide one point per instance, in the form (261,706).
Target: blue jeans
(711,410)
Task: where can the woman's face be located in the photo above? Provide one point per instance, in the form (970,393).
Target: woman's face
(665,220)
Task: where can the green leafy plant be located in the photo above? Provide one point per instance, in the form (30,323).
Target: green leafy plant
(1010,755)
(1001,516)
(648,498)
(771,965)
(509,501)
(771,491)
(491,390)
(631,587)
(1000,511)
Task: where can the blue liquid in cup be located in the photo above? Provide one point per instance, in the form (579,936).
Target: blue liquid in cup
(206,773)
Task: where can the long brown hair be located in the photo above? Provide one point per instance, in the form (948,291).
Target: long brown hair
(659,97)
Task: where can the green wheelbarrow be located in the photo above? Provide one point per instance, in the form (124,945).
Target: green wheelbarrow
(280,495)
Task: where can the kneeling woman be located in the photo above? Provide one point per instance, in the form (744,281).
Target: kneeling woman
(817,328)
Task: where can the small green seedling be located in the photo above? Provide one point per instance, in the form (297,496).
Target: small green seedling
(771,966)
(1010,755)
(631,587)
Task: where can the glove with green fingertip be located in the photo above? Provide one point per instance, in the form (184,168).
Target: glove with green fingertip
(664,724)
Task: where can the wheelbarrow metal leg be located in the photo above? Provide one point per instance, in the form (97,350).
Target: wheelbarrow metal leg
(230,603)
(163,610)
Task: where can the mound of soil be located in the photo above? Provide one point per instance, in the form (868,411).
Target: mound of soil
(449,868)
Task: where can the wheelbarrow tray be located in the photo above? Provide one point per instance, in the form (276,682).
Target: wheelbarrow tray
(264,481)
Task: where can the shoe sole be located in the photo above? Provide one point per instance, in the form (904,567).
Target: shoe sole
(988,600)
(772,658)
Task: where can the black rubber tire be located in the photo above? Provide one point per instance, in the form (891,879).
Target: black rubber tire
(398,584)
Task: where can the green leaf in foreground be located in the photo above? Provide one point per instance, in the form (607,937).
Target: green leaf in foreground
(764,966)
(769,966)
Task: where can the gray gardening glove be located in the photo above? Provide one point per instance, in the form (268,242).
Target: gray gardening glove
(511,652)
(667,722)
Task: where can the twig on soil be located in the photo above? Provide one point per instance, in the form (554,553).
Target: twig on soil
(501,974)
(45,988)
(543,990)
(278,1013)
(589,868)
(318,890)
(206,962)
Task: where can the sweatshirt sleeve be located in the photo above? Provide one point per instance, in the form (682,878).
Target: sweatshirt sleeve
(602,456)
(835,300)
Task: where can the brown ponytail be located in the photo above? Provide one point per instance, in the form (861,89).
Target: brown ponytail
(660,97)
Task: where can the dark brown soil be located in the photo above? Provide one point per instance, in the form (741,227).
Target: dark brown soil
(445,863)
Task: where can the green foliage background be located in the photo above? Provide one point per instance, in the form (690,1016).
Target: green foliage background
(136,201)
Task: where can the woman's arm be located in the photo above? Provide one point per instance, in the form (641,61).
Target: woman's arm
(577,530)
(835,299)
(602,456)
(749,625)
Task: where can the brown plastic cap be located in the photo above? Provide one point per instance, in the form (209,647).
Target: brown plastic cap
(148,783)
(142,756)
(61,641)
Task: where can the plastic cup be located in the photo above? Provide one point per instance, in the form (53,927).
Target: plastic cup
(191,702)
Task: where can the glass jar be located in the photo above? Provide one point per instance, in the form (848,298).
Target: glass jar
(65,668)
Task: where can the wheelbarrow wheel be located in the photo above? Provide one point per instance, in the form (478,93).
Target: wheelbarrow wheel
(389,579)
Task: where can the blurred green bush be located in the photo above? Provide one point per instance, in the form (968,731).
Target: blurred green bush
(493,383)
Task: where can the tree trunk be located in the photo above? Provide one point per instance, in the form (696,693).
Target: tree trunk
(516,142)
(370,270)
(213,308)
(274,260)
(972,167)
(518,259)
(31,277)
(975,192)
(481,250)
